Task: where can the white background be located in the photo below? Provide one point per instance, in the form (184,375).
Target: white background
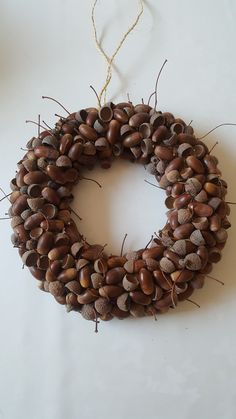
(52,364)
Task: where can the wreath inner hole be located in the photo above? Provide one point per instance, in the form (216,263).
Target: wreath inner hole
(124,204)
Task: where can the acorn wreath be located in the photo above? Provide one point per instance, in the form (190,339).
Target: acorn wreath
(82,276)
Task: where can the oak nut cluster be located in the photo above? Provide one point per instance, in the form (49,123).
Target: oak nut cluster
(82,276)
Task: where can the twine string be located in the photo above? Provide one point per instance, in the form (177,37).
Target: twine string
(108,59)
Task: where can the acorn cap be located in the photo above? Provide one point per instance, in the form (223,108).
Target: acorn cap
(35,203)
(179,247)
(193,262)
(102,305)
(88,312)
(30,258)
(197,238)
(123,302)
(167,265)
(51,141)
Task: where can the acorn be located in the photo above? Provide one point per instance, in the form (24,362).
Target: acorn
(130,282)
(56,288)
(167,265)
(184,215)
(16,220)
(30,258)
(100,266)
(193,262)
(102,306)
(35,203)
(115,275)
(73,286)
(197,238)
(146,281)
(97,280)
(123,302)
(137,310)
(88,312)
(193,186)
(76,249)
(197,282)
(201,223)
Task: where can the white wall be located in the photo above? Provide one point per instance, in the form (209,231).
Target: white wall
(52,364)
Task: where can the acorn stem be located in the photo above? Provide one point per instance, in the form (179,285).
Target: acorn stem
(59,116)
(54,100)
(212,148)
(153,313)
(172,296)
(2,199)
(105,245)
(153,184)
(230,203)
(99,102)
(151,95)
(76,214)
(122,245)
(149,242)
(156,84)
(5,195)
(45,123)
(157,80)
(5,218)
(128,96)
(92,180)
(41,126)
(218,126)
(217,280)
(193,302)
(96,321)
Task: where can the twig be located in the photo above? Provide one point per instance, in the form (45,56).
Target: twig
(38,126)
(5,195)
(76,214)
(45,123)
(59,116)
(92,180)
(98,99)
(54,100)
(212,148)
(149,242)
(41,126)
(153,184)
(122,245)
(96,321)
(217,280)
(156,84)
(193,302)
(218,126)
(151,95)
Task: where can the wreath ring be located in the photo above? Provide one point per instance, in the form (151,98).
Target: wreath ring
(82,276)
